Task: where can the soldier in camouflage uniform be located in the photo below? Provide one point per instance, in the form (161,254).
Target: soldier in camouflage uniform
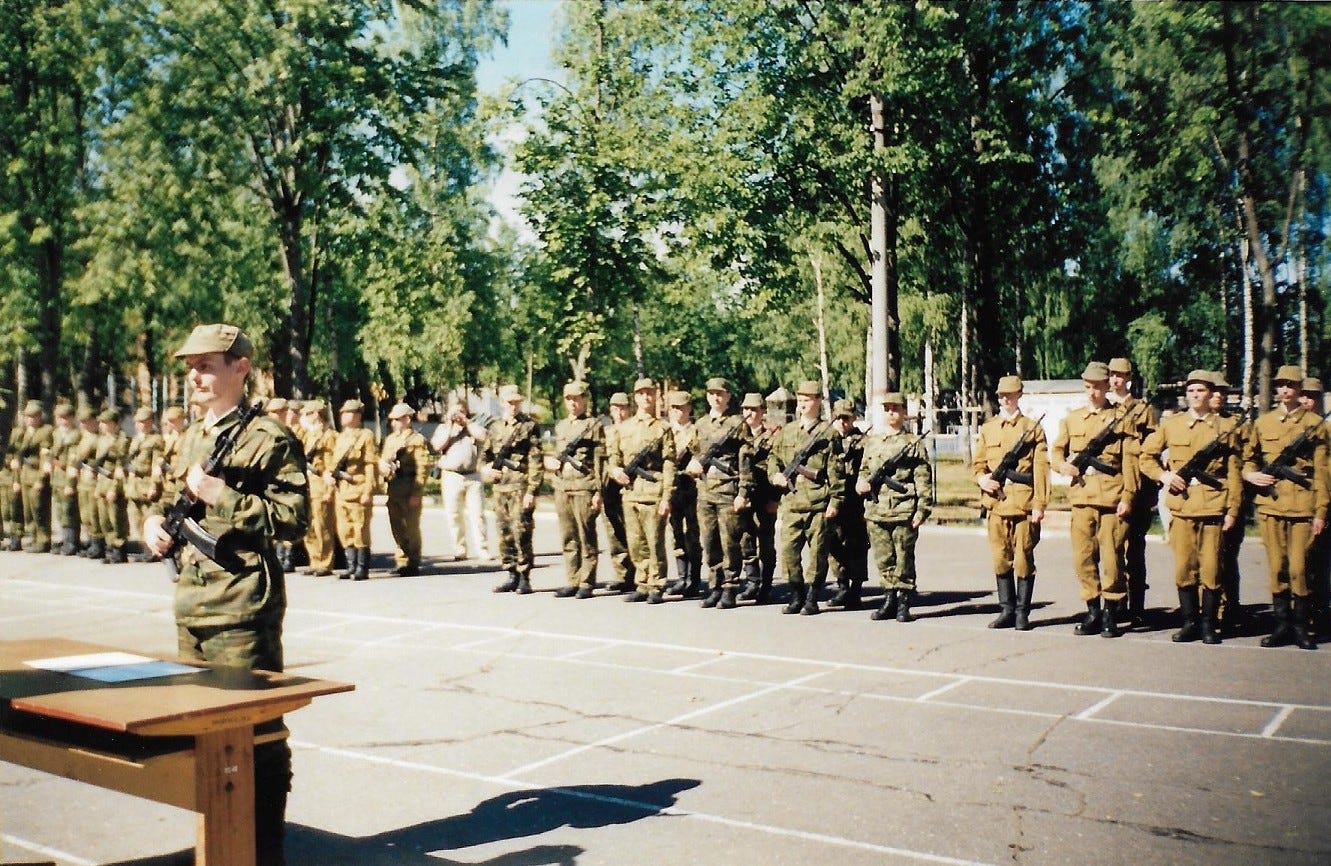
(404,464)
(847,535)
(108,462)
(11,493)
(720,468)
(612,501)
(684,534)
(64,471)
(86,488)
(758,521)
(511,462)
(642,462)
(232,615)
(897,508)
(805,465)
(354,472)
(33,468)
(576,468)
(143,473)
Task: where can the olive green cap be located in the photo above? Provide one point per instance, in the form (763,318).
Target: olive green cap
(1120,365)
(109,415)
(86,413)
(510,394)
(1220,382)
(844,408)
(1207,378)
(718,383)
(400,410)
(64,409)
(1009,385)
(752,400)
(1096,371)
(172,413)
(1312,386)
(780,395)
(216,338)
(313,407)
(1291,374)
(144,414)
(678,398)
(892,398)
(810,388)
(353,405)
(644,384)
(619,398)
(575,389)
(277,404)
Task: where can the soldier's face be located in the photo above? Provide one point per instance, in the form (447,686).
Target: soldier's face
(680,414)
(894,414)
(401,423)
(807,405)
(645,400)
(1308,401)
(1095,391)
(1198,397)
(350,419)
(1118,382)
(1008,402)
(216,380)
(33,421)
(145,426)
(511,408)
(576,405)
(1286,392)
(718,401)
(754,415)
(1217,401)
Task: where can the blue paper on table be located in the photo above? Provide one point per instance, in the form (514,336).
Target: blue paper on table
(113,667)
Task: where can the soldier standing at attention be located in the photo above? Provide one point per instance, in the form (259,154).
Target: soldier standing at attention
(143,474)
(64,472)
(612,500)
(404,464)
(279,409)
(1102,495)
(234,617)
(684,533)
(1015,505)
(758,521)
(847,535)
(1285,462)
(319,444)
(642,462)
(576,469)
(11,493)
(353,473)
(173,428)
(806,467)
(1139,421)
(897,508)
(1232,539)
(718,467)
(1201,511)
(511,463)
(87,486)
(1319,555)
(31,467)
(112,510)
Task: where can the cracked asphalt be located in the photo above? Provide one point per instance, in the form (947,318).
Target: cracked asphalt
(526,730)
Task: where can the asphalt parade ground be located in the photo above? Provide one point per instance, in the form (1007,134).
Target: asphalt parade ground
(524,730)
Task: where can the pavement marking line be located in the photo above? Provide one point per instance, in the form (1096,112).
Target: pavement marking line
(581,652)
(1276,721)
(509,782)
(960,681)
(690,668)
(1096,707)
(44,850)
(646,729)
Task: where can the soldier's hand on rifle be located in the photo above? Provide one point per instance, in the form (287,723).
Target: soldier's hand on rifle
(988,484)
(740,503)
(551,463)
(528,502)
(694,468)
(621,477)
(1069,468)
(778,479)
(386,468)
(489,473)
(917,521)
(863,487)
(202,486)
(155,537)
(1037,515)
(663,510)
(831,512)
(1259,479)
(1124,509)
(596,502)
(1173,481)
(1228,523)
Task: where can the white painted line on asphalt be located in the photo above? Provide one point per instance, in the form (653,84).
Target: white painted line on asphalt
(960,681)
(649,808)
(1276,721)
(44,850)
(594,648)
(1090,711)
(689,668)
(677,720)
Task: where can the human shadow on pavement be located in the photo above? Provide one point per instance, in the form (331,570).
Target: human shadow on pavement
(309,847)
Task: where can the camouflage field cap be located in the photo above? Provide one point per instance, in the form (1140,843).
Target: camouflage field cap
(810,388)
(1009,385)
(109,415)
(1220,382)
(1120,365)
(216,338)
(644,384)
(575,389)
(510,394)
(86,413)
(1207,378)
(400,410)
(63,410)
(1096,371)
(619,398)
(144,414)
(312,407)
(34,407)
(678,398)
(752,400)
(353,405)
(844,408)
(1312,385)
(718,383)
(294,405)
(892,398)
(173,413)
(1290,373)
(277,404)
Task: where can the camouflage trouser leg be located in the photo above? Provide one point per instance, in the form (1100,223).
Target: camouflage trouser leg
(515,525)
(577,530)
(894,552)
(801,530)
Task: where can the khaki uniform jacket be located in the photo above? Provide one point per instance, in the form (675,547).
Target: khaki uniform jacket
(266,501)
(759,457)
(143,469)
(824,462)
(32,446)
(319,445)
(356,444)
(1139,421)
(1094,487)
(1270,434)
(643,433)
(734,441)
(1182,435)
(518,440)
(412,454)
(911,471)
(997,436)
(583,440)
(65,455)
(110,453)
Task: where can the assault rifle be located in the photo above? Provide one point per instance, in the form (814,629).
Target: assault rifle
(1200,459)
(181,526)
(503,458)
(1006,470)
(1089,457)
(395,465)
(566,455)
(634,467)
(100,470)
(340,472)
(1283,466)
(882,476)
(796,465)
(712,456)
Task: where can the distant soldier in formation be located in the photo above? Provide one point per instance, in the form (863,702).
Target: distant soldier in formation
(612,500)
(1231,539)
(718,468)
(1139,421)
(511,463)
(404,464)
(1285,462)
(1100,457)
(354,473)
(84,456)
(108,463)
(684,532)
(1201,477)
(11,492)
(642,462)
(143,474)
(575,469)
(758,521)
(1319,555)
(897,487)
(31,467)
(64,474)
(847,535)
(460,483)
(805,466)
(319,443)
(1014,501)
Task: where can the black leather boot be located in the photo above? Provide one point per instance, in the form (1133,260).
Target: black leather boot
(842,593)
(1282,633)
(350,571)
(1025,591)
(1109,619)
(889,608)
(810,606)
(524,585)
(1007,600)
(1187,607)
(904,598)
(727,600)
(1210,616)
(714,597)
(362,564)
(1090,624)
(508,585)
(96,549)
(1300,626)
(798,591)
(681,582)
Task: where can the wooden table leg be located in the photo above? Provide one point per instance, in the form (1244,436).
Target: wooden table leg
(224,786)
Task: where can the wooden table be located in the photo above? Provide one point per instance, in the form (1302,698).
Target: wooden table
(186,740)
